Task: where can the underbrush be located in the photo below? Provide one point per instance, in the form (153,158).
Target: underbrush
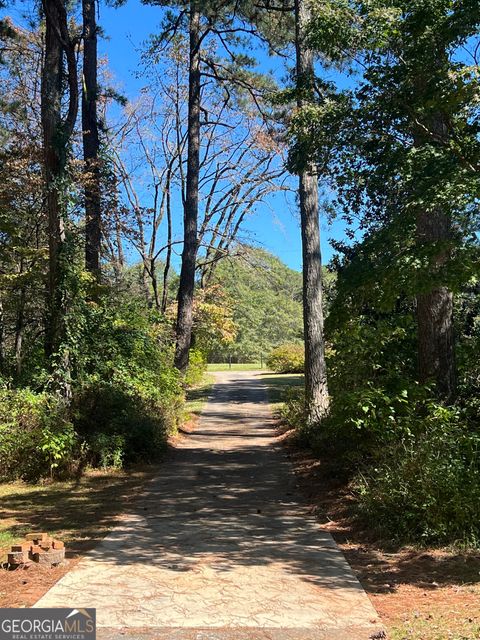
(413,462)
(126,399)
(37,437)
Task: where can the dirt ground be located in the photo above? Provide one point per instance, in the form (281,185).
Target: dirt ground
(78,512)
(420,594)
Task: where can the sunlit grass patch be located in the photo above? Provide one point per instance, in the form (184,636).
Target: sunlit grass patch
(197,396)
(278,384)
(239,366)
(437,625)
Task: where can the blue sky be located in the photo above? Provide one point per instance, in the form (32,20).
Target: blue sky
(274,226)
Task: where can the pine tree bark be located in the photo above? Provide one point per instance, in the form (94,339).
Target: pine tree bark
(435,326)
(56,135)
(190,231)
(316,387)
(91,143)
(54,162)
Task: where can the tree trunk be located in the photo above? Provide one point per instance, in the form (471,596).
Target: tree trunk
(168,258)
(19,330)
(153,277)
(91,142)
(435,329)
(54,163)
(119,259)
(190,233)
(56,135)
(316,388)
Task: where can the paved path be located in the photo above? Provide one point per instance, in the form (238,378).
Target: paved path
(220,546)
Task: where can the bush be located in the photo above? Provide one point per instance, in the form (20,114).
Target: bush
(196,368)
(427,486)
(127,419)
(37,438)
(415,463)
(293,411)
(287,358)
(128,398)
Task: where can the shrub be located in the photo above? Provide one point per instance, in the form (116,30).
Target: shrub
(127,419)
(128,398)
(196,368)
(287,358)
(36,436)
(293,411)
(107,450)
(415,463)
(427,486)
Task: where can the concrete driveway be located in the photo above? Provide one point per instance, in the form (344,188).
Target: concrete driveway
(219,546)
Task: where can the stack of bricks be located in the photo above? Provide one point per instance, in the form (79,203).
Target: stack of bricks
(38,547)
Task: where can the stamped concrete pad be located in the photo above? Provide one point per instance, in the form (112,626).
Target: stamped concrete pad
(219,546)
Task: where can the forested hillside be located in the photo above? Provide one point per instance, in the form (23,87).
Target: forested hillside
(266,301)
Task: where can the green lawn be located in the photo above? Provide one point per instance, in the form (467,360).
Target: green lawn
(242,366)
(278,383)
(197,396)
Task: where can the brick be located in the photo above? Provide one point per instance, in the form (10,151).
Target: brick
(17,557)
(35,549)
(58,544)
(37,536)
(54,556)
(22,546)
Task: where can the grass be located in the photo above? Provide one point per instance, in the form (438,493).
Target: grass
(278,383)
(79,512)
(239,366)
(197,396)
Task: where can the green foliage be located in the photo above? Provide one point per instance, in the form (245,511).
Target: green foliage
(287,358)
(36,437)
(213,325)
(197,367)
(399,146)
(426,486)
(107,451)
(414,462)
(267,304)
(128,396)
(294,411)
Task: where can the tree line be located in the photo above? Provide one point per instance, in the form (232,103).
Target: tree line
(375,121)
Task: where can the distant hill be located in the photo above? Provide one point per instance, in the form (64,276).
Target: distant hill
(267,301)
